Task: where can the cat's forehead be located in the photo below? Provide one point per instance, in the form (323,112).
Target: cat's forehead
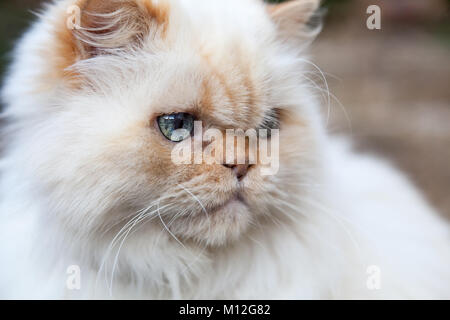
(213,63)
(219,24)
(213,15)
(226,90)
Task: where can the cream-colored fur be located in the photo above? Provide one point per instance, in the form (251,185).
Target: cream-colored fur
(83,160)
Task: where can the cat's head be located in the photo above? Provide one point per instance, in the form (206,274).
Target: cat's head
(109,93)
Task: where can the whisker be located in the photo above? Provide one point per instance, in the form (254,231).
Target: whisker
(168,230)
(117,237)
(120,247)
(325,82)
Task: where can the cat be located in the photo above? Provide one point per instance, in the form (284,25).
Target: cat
(92,205)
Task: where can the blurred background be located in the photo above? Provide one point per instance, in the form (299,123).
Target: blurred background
(394,85)
(389,88)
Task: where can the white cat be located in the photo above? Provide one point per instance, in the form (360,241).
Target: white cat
(93,207)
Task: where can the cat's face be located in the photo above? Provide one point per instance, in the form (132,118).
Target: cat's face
(228,64)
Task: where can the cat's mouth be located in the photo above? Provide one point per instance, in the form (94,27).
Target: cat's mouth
(216,222)
(232,205)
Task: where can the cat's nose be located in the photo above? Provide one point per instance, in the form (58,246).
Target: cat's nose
(240,170)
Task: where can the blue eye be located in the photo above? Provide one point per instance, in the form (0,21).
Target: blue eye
(176,126)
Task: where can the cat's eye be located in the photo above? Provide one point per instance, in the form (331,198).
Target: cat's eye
(176,126)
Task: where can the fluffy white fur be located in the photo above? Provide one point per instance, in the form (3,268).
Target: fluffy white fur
(335,214)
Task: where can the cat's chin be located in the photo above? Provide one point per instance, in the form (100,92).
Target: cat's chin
(218,226)
(235,204)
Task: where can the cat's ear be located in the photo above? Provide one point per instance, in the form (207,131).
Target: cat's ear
(106,25)
(298,21)
(96,27)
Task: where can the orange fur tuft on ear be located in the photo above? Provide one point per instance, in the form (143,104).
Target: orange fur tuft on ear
(119,23)
(105,25)
(293,19)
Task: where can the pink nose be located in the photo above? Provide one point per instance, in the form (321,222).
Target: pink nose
(240,170)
